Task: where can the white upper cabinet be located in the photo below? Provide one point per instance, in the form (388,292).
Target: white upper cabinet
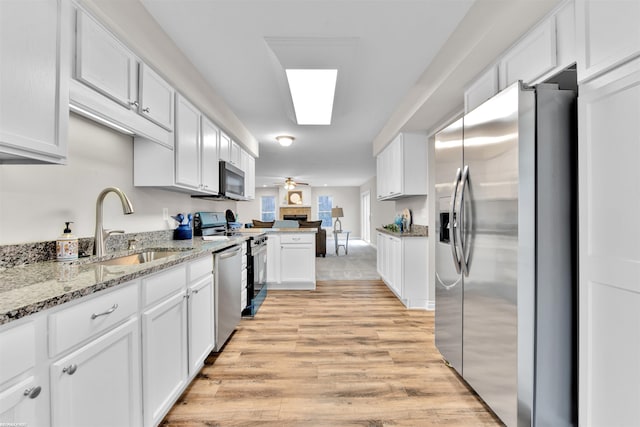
(249,168)
(482,89)
(34,76)
(224,152)
(607,34)
(235,157)
(402,167)
(209,151)
(187,144)
(547,49)
(103,63)
(156,98)
(532,57)
(112,85)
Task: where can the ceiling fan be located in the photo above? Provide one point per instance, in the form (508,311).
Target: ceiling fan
(290,184)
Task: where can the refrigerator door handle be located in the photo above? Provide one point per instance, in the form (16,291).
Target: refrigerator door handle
(463,259)
(453,223)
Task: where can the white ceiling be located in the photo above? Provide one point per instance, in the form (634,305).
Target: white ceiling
(381,48)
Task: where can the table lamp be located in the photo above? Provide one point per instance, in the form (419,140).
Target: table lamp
(337,214)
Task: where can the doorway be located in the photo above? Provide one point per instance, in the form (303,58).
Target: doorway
(365,209)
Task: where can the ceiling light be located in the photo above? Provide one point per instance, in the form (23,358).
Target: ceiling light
(312,92)
(285,140)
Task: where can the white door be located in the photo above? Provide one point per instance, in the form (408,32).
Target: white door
(209,162)
(201,323)
(297,262)
(99,384)
(34,76)
(21,404)
(164,356)
(365,208)
(156,98)
(187,144)
(104,64)
(609,287)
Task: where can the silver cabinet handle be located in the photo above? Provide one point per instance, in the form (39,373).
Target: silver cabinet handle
(104,313)
(71,369)
(146,110)
(229,254)
(33,392)
(134,103)
(463,259)
(452,222)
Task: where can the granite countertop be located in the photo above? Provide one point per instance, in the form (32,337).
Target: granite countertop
(416,231)
(31,288)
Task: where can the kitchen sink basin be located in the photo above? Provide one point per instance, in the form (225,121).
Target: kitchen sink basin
(140,258)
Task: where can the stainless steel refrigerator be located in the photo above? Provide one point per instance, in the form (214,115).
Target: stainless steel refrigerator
(506,253)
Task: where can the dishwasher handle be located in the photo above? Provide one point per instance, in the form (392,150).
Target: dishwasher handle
(229,253)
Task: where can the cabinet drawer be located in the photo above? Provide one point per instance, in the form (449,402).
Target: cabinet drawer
(200,268)
(73,325)
(17,351)
(163,284)
(297,238)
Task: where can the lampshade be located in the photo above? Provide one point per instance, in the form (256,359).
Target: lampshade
(336,213)
(285,140)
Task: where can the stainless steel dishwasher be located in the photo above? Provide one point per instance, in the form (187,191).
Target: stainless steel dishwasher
(227,284)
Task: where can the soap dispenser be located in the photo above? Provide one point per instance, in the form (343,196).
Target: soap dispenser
(67,245)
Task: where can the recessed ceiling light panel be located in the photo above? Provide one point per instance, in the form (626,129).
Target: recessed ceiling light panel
(312,92)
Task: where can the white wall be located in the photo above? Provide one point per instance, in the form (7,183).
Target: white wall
(250,210)
(38,199)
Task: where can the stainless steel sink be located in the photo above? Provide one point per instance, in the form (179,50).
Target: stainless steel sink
(140,258)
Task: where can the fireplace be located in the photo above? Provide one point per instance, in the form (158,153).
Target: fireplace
(295,217)
(286,211)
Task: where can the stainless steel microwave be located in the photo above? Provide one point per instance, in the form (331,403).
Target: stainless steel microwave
(231,181)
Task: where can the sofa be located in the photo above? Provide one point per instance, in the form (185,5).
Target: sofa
(321,234)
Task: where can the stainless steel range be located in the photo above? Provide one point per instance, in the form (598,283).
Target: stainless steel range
(217,223)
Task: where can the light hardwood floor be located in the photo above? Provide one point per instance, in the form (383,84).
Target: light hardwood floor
(347,354)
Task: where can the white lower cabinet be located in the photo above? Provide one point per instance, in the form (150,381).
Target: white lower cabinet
(201,321)
(297,261)
(164,342)
(24,384)
(99,384)
(402,264)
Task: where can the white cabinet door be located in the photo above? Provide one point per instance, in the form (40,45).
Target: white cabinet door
(103,63)
(20,404)
(379,176)
(273,259)
(225,147)
(532,57)
(297,263)
(34,76)
(209,153)
(187,144)
(164,356)
(607,34)
(483,88)
(609,280)
(156,98)
(235,156)
(99,384)
(249,168)
(201,323)
(395,266)
(394,167)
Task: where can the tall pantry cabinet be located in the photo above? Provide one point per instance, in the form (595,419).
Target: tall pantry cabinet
(608,41)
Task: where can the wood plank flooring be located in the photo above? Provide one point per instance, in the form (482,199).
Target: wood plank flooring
(347,354)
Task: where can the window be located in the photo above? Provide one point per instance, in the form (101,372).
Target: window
(325,203)
(267,208)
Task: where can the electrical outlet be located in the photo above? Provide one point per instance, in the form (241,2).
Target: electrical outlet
(165,214)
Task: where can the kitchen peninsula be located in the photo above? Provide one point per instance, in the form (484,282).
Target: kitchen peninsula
(291,258)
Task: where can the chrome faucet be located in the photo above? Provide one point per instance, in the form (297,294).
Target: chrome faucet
(102,234)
